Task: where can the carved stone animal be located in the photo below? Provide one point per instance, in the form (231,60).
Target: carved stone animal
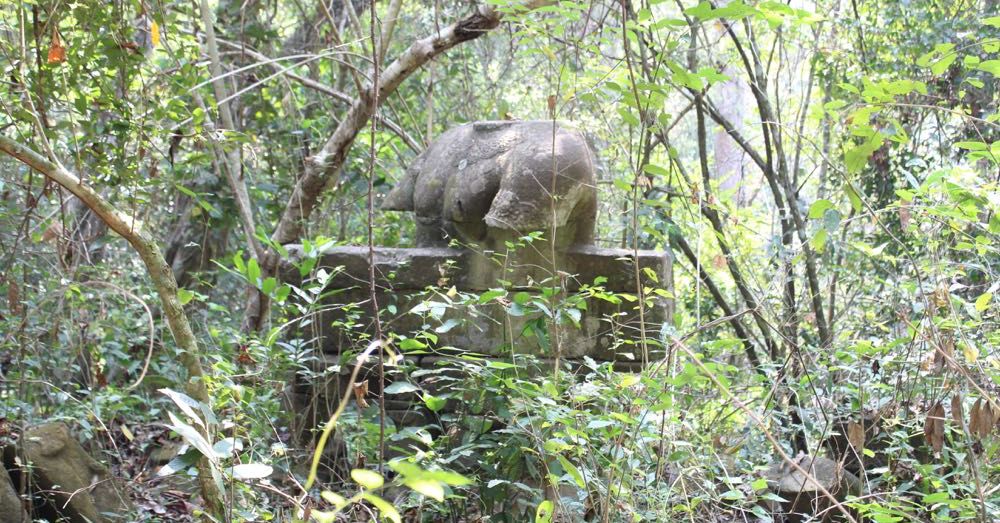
(485,182)
(77,487)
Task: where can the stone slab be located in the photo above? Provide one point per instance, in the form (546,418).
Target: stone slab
(443,284)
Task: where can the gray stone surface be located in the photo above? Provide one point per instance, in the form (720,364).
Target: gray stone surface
(11,509)
(803,495)
(605,331)
(486,182)
(61,467)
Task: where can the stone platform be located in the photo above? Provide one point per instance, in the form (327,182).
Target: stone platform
(441,291)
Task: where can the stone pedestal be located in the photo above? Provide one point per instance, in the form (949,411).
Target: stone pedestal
(484,304)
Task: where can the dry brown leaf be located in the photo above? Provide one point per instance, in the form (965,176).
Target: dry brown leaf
(978,425)
(52,232)
(934,427)
(57,52)
(945,351)
(989,415)
(941,297)
(856,435)
(904,215)
(360,391)
(957,415)
(13,297)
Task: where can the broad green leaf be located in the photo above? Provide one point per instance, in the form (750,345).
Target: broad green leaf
(401,387)
(491,295)
(656,170)
(247,471)
(226,447)
(253,271)
(334,499)
(184,296)
(186,403)
(180,462)
(368,479)
(191,436)
(819,207)
(818,241)
(990,66)
(545,509)
(972,146)
(936,497)
(854,197)
(983,301)
(434,403)
(387,510)
(427,487)
(572,471)
(943,63)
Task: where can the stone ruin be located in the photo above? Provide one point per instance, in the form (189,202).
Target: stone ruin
(476,190)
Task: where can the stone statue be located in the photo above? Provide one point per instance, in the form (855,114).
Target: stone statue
(485,182)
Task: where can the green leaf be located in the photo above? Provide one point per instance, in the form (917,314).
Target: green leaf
(943,64)
(253,271)
(411,344)
(545,509)
(831,220)
(186,403)
(427,487)
(819,207)
(191,436)
(656,170)
(972,146)
(227,447)
(936,497)
(990,66)
(334,499)
(854,197)
(925,59)
(368,479)
(983,301)
(184,296)
(247,471)
(818,241)
(180,462)
(434,403)
(993,21)
(572,471)
(491,295)
(388,511)
(401,387)
(449,324)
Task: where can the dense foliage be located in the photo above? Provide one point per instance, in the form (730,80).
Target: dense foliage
(824,173)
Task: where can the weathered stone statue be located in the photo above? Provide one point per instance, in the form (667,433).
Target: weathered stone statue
(76,486)
(485,182)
